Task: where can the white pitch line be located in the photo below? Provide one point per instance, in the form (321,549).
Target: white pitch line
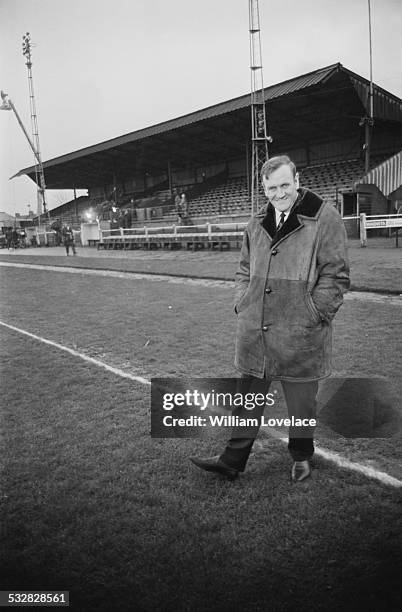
(365,296)
(82,356)
(166,278)
(366,470)
(340,461)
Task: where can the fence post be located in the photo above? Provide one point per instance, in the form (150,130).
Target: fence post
(363,230)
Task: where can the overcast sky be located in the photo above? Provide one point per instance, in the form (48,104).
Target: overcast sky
(104,68)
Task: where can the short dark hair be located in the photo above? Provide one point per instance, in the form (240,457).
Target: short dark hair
(276,162)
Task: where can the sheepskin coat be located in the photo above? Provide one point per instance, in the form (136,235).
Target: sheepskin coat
(289,286)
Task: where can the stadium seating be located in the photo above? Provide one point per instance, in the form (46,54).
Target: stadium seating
(219,212)
(331,180)
(232,197)
(228,199)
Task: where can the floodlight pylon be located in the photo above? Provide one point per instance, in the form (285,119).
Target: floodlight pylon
(39,173)
(259,137)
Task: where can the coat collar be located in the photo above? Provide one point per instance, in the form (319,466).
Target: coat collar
(308,204)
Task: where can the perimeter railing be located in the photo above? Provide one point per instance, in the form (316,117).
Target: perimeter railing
(194,237)
(370,222)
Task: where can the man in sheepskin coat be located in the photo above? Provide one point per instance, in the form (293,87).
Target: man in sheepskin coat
(292,275)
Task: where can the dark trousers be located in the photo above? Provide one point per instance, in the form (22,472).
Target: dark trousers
(301,404)
(68,245)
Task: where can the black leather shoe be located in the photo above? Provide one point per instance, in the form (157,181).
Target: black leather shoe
(301,470)
(214,464)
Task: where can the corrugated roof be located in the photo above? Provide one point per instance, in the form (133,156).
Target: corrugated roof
(270,93)
(386,106)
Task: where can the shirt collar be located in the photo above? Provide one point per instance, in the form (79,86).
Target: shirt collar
(278,215)
(287,213)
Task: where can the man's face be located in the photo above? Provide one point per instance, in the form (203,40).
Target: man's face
(281,188)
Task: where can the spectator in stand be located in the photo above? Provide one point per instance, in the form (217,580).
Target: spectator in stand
(184,209)
(177,206)
(115,218)
(68,237)
(184,205)
(122,218)
(127,218)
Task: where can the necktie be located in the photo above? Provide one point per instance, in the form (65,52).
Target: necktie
(281,222)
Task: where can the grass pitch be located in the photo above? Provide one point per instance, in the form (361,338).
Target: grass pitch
(375,268)
(92,504)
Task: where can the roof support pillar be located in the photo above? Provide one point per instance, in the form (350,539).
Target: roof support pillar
(367,146)
(248,168)
(169,172)
(114,187)
(75,205)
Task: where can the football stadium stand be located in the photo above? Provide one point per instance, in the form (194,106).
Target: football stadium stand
(317,118)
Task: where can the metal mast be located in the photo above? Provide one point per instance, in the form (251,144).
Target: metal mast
(7,104)
(370,121)
(39,174)
(259,138)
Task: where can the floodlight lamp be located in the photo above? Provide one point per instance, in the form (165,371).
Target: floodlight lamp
(6,104)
